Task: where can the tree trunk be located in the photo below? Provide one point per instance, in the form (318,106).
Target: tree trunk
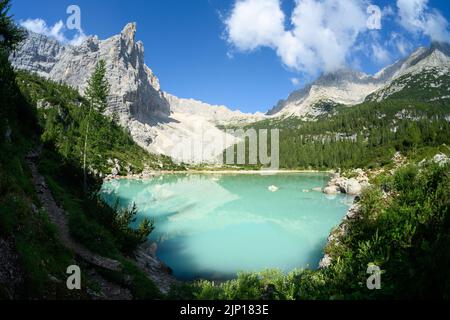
(85,183)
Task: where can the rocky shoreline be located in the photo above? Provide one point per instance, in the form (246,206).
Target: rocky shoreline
(355,186)
(352,186)
(156,270)
(339,232)
(148,174)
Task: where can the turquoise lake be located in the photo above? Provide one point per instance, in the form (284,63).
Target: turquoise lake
(214,226)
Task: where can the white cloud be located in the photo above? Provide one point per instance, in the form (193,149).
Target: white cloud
(380,55)
(400,44)
(57,31)
(255,23)
(388,11)
(322,34)
(295,81)
(417,17)
(325,35)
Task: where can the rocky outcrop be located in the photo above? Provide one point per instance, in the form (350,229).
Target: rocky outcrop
(135,90)
(441,159)
(156,270)
(351,186)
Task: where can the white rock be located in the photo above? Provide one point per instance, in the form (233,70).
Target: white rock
(273,188)
(331,190)
(325,262)
(441,159)
(353,187)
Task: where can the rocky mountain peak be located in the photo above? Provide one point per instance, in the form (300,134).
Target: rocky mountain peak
(443,47)
(135,92)
(129,31)
(341,76)
(128,37)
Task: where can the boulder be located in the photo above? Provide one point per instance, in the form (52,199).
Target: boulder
(441,159)
(353,212)
(325,262)
(353,187)
(331,190)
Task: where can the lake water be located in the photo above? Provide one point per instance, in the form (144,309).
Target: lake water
(214,226)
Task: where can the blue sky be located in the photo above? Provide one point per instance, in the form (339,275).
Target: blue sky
(222,53)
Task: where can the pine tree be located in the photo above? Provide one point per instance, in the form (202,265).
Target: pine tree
(98,88)
(10,36)
(96,95)
(10,33)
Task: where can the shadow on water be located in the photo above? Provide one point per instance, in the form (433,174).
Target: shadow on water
(317,253)
(184,263)
(187,269)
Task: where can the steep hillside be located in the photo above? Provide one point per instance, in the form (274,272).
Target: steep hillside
(41,176)
(61,117)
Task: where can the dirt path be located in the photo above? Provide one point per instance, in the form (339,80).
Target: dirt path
(59,218)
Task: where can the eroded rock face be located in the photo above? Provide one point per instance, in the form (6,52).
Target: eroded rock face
(135,91)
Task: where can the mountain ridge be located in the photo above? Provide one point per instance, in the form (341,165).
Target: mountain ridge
(348,87)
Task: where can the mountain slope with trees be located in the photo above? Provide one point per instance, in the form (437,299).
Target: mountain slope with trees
(40,114)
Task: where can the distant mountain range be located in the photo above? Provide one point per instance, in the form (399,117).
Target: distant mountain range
(348,87)
(159,121)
